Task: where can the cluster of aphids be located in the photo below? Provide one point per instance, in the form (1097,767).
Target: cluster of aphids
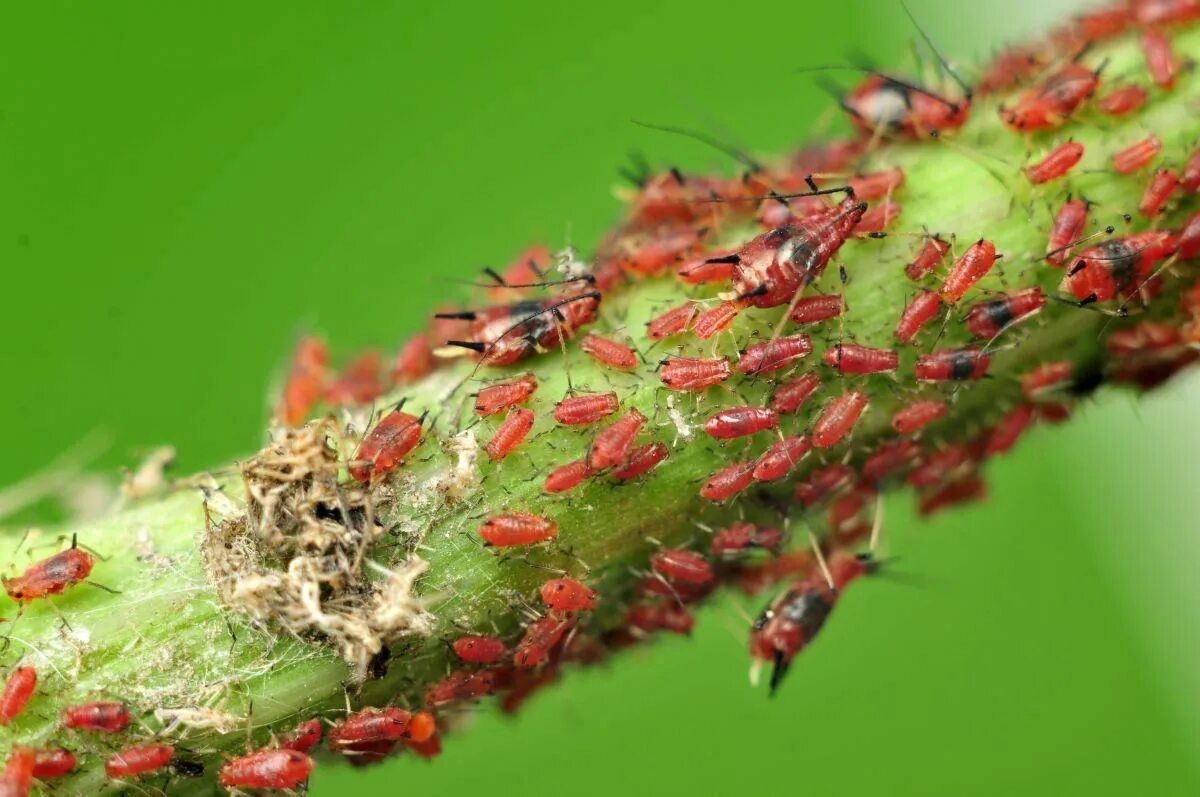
(805,210)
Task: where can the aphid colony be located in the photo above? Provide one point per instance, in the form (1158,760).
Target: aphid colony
(762,364)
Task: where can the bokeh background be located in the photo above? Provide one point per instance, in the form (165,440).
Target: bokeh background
(185,187)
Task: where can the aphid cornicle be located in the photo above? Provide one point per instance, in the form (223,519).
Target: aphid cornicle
(387,444)
(266,769)
(918,415)
(693,373)
(104,717)
(138,760)
(952,365)
(613,445)
(18,689)
(608,352)
(1056,163)
(585,409)
(517,528)
(790,396)
(838,418)
(479,649)
(851,358)
(497,398)
(510,433)
(973,266)
(989,318)
(916,314)
(641,460)
(772,355)
(685,567)
(1068,225)
(733,422)
(50,576)
(927,258)
(568,595)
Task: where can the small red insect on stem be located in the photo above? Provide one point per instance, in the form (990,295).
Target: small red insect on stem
(780,458)
(927,258)
(715,319)
(773,355)
(386,445)
(305,382)
(1050,103)
(813,309)
(1158,192)
(973,266)
(728,481)
(585,409)
(138,760)
(918,415)
(53,762)
(684,567)
(50,576)
(877,185)
(1009,430)
(303,738)
(608,352)
(612,446)
(540,637)
(641,460)
(673,322)
(1123,100)
(359,383)
(952,365)
(479,649)
(916,314)
(1161,62)
(497,398)
(17,776)
(988,319)
(1057,163)
(566,477)
(693,374)
(104,717)
(18,689)
(733,422)
(851,358)
(517,528)
(790,396)
(266,769)
(568,595)
(838,418)
(1068,225)
(370,725)
(1137,155)
(510,433)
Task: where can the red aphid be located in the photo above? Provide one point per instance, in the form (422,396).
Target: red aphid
(641,460)
(1158,192)
(517,528)
(50,576)
(1102,23)
(886,105)
(988,319)
(1123,100)
(1161,62)
(672,322)
(505,334)
(1189,239)
(671,617)
(97,717)
(613,446)
(918,415)
(1117,266)
(916,314)
(813,309)
(715,319)
(1068,225)
(496,398)
(479,649)
(789,396)
(973,266)
(568,595)
(877,185)
(1006,433)
(952,365)
(609,352)
(1189,178)
(359,382)
(838,418)
(928,258)
(739,537)
(1049,104)
(692,373)
(18,689)
(303,738)
(460,685)
(540,636)
(878,218)
(305,382)
(53,762)
(781,457)
(734,422)
(939,465)
(266,769)
(1144,338)
(1044,378)
(585,409)
(566,477)
(968,488)
(17,776)
(772,267)
(1165,12)
(370,725)
(684,567)
(851,358)
(1057,163)
(651,256)
(846,516)
(138,760)
(422,727)
(772,355)
(414,360)
(386,445)
(510,433)
(890,458)
(728,481)
(1137,155)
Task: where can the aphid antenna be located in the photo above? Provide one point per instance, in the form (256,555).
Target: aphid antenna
(821,563)
(1089,303)
(899,83)
(841,189)
(968,92)
(500,282)
(737,153)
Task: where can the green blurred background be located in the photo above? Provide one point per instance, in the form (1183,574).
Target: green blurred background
(185,189)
